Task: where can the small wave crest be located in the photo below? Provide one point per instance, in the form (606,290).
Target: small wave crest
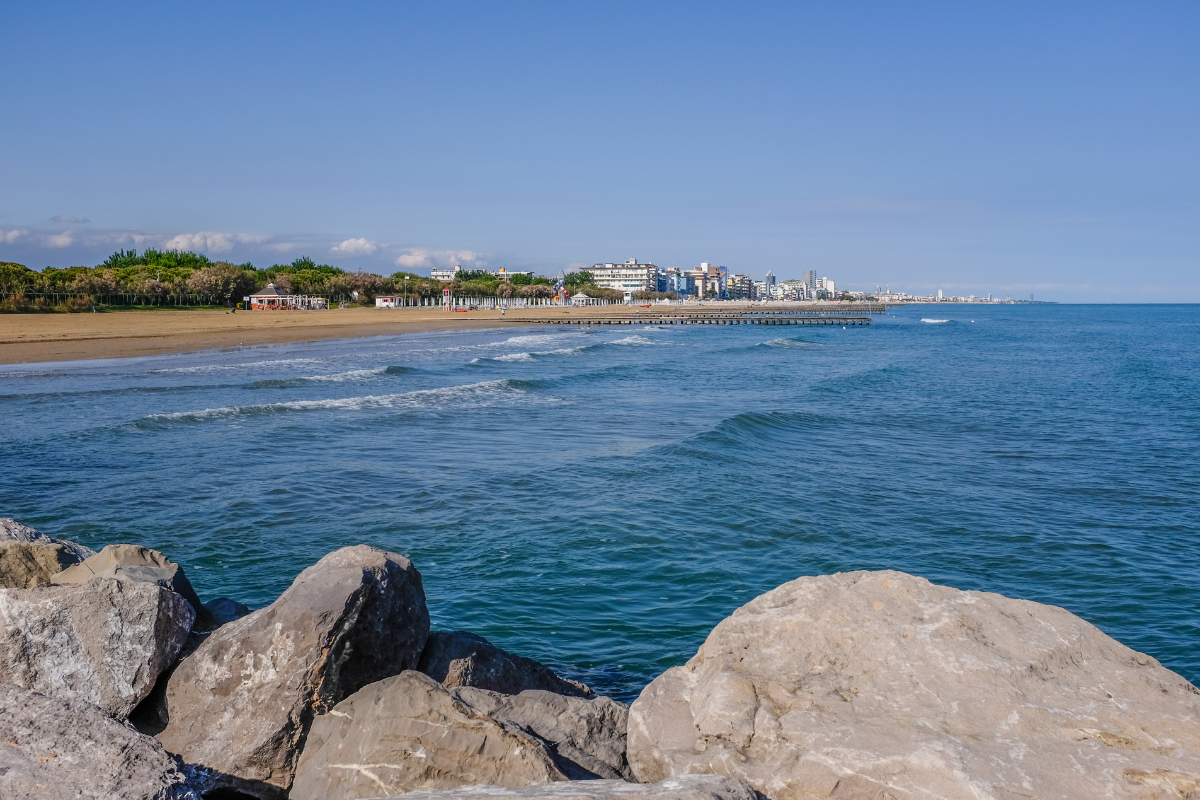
(224,367)
(634,340)
(352,375)
(534,338)
(787,342)
(933,321)
(468,396)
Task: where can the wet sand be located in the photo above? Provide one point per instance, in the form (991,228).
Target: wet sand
(32,338)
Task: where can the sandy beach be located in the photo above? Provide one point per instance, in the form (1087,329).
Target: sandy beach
(33,338)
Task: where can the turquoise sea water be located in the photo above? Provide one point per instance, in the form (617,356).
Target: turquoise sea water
(600,499)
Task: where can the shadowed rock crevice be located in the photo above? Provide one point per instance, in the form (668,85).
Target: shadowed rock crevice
(458,658)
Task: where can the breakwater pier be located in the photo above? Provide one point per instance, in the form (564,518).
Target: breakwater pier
(772,318)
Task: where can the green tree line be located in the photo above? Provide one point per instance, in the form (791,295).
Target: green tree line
(176,278)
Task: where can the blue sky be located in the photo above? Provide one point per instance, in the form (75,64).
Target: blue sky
(1011,148)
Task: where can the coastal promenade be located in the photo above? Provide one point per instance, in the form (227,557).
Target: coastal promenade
(34,338)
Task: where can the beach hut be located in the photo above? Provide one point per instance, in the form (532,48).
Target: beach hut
(387,301)
(582,299)
(267,298)
(270,298)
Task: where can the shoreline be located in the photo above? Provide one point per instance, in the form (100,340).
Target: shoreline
(48,338)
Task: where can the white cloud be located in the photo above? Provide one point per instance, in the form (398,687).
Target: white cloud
(8,237)
(68,219)
(64,239)
(355,247)
(211,242)
(421,257)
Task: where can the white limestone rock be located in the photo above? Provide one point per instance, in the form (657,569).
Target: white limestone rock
(685,787)
(407,733)
(105,641)
(53,749)
(871,685)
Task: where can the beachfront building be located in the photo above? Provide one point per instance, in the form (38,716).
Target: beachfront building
(269,298)
(387,301)
(445,275)
(628,277)
(677,281)
(709,280)
(582,299)
(792,290)
(740,287)
(810,283)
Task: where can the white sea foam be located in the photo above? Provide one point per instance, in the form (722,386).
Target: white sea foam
(244,365)
(515,357)
(635,339)
(784,342)
(562,351)
(535,338)
(352,375)
(934,321)
(467,396)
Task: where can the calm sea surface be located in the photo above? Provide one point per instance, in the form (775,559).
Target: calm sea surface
(600,499)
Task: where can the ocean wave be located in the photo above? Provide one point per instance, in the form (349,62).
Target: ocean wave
(515,357)
(467,396)
(535,338)
(635,339)
(339,377)
(352,375)
(565,351)
(224,367)
(787,342)
(934,321)
(33,374)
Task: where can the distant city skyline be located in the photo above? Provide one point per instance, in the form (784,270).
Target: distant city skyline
(1012,150)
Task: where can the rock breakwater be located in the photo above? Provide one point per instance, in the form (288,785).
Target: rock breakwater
(858,686)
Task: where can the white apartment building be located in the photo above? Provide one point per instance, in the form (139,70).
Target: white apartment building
(446,275)
(628,277)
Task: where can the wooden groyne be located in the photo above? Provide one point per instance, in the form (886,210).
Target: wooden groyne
(769,318)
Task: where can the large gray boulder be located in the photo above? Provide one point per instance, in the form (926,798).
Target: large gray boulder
(883,685)
(55,749)
(24,565)
(409,732)
(586,738)
(457,658)
(13,531)
(685,787)
(239,707)
(105,641)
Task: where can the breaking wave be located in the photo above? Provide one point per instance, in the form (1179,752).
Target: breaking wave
(226,367)
(934,321)
(472,395)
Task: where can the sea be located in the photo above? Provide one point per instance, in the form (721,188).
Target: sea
(600,498)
